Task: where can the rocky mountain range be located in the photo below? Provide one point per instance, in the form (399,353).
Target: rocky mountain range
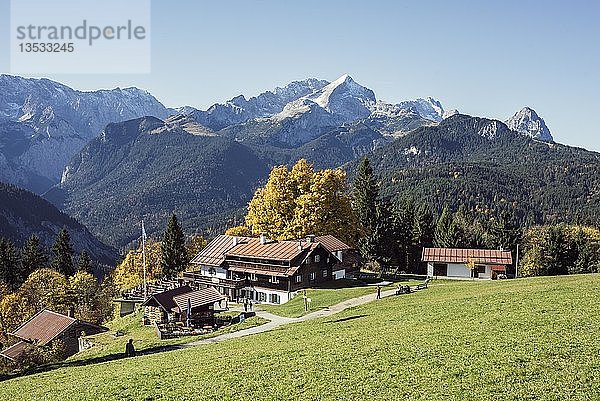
(205,164)
(43,124)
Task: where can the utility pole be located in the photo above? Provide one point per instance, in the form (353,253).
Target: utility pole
(517,263)
(144,259)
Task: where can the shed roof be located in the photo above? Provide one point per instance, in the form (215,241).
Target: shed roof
(202,297)
(166,299)
(44,327)
(14,351)
(455,255)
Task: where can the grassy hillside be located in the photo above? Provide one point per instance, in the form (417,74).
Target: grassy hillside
(531,339)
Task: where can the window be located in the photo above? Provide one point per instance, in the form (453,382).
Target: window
(298,278)
(251,276)
(325,273)
(481,269)
(308,260)
(274,280)
(317,258)
(313,276)
(212,271)
(261,296)
(274,299)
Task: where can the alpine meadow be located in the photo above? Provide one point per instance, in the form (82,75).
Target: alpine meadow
(341,200)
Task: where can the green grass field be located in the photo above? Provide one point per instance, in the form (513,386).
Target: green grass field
(527,339)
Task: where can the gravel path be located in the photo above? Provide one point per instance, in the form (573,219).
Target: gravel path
(278,321)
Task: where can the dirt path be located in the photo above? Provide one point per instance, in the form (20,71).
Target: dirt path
(278,321)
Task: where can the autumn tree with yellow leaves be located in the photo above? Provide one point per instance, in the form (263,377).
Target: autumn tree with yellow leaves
(130,272)
(301,201)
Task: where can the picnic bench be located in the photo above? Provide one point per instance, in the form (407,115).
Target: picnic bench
(403,289)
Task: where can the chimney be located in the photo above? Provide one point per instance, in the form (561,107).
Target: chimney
(71,312)
(263,238)
(310,238)
(300,246)
(235,240)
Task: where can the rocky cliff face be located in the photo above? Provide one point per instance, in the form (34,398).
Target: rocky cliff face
(527,122)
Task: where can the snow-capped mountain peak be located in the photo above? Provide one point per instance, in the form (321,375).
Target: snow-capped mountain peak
(342,88)
(527,122)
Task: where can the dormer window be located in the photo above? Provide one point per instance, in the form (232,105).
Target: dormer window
(317,258)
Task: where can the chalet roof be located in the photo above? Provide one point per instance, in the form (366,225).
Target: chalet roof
(453,255)
(272,250)
(202,297)
(44,327)
(331,243)
(225,246)
(214,253)
(14,351)
(166,299)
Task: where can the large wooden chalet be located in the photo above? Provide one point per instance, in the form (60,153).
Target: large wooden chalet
(269,271)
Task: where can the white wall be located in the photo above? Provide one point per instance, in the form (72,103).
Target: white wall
(284,296)
(339,274)
(460,270)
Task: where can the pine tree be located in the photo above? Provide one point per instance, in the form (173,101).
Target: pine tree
(33,256)
(402,232)
(84,263)
(444,236)
(10,270)
(365,206)
(422,235)
(62,251)
(174,255)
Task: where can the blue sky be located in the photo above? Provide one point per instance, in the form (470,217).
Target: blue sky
(481,57)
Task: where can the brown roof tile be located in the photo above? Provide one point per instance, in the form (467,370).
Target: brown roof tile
(14,351)
(453,255)
(214,253)
(165,299)
(204,296)
(331,243)
(44,327)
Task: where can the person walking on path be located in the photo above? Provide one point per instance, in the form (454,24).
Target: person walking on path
(245,305)
(378,292)
(251,305)
(129,348)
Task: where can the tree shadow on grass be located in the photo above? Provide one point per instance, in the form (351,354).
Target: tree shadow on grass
(90,361)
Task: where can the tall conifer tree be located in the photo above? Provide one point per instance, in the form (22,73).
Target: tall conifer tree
(174,255)
(62,251)
(33,256)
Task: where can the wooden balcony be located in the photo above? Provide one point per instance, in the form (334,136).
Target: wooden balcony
(198,278)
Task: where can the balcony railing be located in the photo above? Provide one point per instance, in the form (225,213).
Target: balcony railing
(199,278)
